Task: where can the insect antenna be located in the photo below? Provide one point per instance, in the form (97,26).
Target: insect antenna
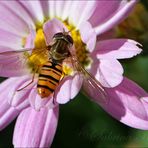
(66,32)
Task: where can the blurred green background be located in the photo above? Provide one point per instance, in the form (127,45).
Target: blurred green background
(82,123)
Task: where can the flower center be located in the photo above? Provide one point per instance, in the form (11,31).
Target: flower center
(39,56)
(39,39)
(82,52)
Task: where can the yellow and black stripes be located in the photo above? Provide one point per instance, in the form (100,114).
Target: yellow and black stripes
(49,77)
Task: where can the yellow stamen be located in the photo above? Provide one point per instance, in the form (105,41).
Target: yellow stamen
(23,41)
(39,39)
(39,55)
(67,70)
(82,52)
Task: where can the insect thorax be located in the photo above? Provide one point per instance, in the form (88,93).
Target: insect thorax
(60,50)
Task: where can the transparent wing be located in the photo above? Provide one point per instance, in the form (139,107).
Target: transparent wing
(25,51)
(40,56)
(91,85)
(14,63)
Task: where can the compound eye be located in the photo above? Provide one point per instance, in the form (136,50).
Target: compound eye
(58,35)
(69,38)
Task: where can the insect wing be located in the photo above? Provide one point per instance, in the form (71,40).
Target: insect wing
(8,55)
(91,85)
(41,56)
(13,63)
(94,89)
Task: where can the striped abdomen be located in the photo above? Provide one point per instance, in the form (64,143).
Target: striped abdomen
(49,78)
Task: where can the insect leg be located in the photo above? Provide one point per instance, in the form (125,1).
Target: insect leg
(54,100)
(30,81)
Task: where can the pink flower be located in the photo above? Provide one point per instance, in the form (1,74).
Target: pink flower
(24,24)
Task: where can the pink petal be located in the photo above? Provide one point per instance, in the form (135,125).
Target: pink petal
(52,11)
(117,49)
(90,38)
(12,20)
(12,61)
(15,65)
(14,41)
(109,14)
(72,85)
(126,103)
(107,72)
(30,39)
(35,9)
(93,90)
(145,99)
(37,102)
(68,89)
(66,10)
(52,27)
(45,8)
(59,8)
(7,112)
(16,8)
(17,99)
(76,15)
(63,9)
(35,128)
(110,34)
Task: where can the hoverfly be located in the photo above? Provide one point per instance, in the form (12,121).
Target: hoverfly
(51,72)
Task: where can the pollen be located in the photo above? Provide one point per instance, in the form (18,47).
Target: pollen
(39,39)
(24,41)
(82,51)
(67,69)
(39,54)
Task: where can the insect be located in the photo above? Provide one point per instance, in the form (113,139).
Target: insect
(50,69)
(51,72)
